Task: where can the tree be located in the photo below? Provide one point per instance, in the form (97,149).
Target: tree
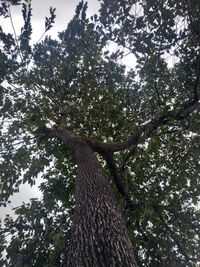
(71,111)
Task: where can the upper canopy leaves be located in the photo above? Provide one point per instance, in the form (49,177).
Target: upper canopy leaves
(81,74)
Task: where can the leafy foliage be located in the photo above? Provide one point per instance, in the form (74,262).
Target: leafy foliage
(103,99)
(34,225)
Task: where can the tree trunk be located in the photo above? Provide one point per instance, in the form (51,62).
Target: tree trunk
(99,236)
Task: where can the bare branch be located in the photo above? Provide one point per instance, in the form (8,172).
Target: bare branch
(15,35)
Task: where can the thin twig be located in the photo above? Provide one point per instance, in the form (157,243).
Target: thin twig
(15,35)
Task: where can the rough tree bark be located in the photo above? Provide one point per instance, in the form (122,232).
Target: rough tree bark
(99,237)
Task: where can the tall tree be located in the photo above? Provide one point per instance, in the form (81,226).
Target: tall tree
(123,139)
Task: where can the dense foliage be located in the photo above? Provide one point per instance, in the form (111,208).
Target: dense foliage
(82,73)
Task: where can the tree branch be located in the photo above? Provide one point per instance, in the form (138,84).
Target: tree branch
(15,35)
(63,120)
(132,205)
(46,132)
(146,130)
(114,170)
(117,178)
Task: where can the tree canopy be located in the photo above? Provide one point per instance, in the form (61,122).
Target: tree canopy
(150,110)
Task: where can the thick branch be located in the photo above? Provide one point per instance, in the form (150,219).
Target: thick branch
(46,132)
(63,120)
(146,130)
(117,177)
(138,137)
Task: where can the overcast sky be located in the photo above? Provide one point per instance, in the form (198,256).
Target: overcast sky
(65,9)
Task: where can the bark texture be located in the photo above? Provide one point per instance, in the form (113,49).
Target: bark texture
(99,236)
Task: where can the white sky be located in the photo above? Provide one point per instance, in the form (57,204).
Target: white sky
(65,9)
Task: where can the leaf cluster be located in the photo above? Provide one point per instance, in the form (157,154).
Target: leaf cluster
(81,74)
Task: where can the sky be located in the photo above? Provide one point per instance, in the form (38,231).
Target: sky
(65,9)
